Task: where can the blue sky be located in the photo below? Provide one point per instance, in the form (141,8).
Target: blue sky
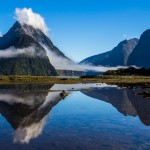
(81,28)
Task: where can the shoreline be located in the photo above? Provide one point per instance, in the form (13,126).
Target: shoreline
(118,80)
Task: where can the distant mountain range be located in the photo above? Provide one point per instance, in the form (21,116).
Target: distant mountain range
(126,53)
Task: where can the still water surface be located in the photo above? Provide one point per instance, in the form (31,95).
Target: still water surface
(73,117)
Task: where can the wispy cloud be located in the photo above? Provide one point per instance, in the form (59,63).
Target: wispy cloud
(13,52)
(65,64)
(27,16)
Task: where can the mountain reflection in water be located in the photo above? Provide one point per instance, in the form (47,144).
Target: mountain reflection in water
(124,101)
(26,107)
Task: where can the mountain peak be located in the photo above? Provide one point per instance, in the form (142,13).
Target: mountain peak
(22,63)
(27,29)
(39,36)
(17,37)
(140,55)
(27,16)
(146,31)
(117,56)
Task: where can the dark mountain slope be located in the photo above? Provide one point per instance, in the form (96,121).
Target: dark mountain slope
(117,56)
(141,53)
(24,64)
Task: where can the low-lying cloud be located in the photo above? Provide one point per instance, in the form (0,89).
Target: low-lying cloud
(62,63)
(58,62)
(13,52)
(27,16)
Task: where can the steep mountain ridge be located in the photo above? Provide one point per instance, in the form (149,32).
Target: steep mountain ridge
(117,56)
(43,62)
(94,60)
(42,39)
(141,53)
(24,64)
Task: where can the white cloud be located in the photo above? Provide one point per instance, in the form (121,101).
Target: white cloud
(13,52)
(65,64)
(27,16)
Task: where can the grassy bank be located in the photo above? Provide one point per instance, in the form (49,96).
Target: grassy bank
(55,80)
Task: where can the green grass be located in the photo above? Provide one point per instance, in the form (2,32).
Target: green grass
(55,80)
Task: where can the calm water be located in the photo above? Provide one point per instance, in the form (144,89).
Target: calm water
(84,117)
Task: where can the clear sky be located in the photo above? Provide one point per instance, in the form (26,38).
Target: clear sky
(81,28)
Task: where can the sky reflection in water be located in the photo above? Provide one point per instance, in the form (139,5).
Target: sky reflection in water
(96,116)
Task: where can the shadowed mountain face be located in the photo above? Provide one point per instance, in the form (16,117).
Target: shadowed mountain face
(140,55)
(39,58)
(124,101)
(117,56)
(24,64)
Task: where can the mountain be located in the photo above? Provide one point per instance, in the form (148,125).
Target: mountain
(94,60)
(24,64)
(46,56)
(141,53)
(117,56)
(42,39)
